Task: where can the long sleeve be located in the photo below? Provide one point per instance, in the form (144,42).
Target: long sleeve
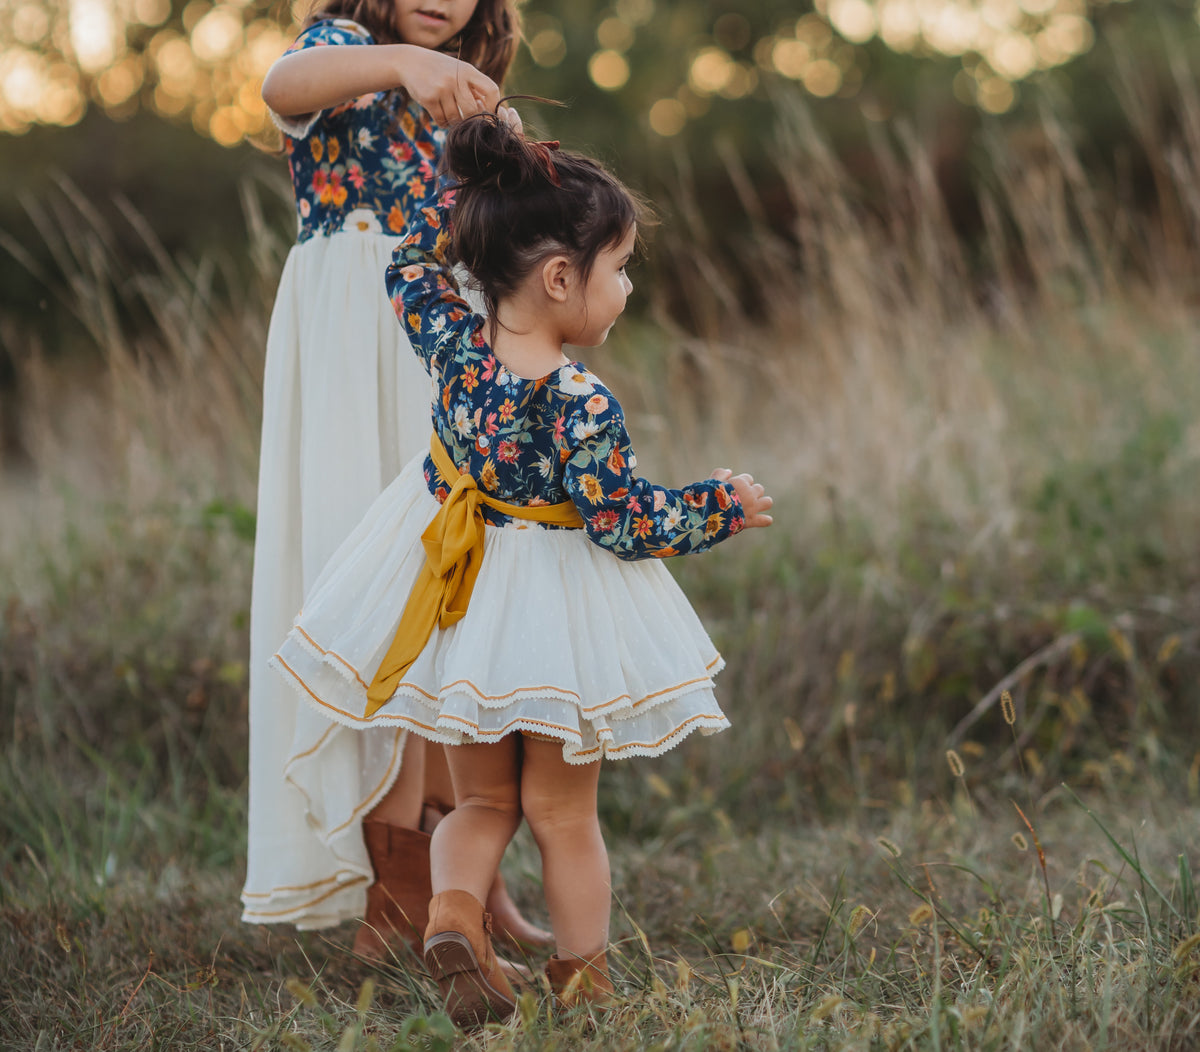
(627,515)
(422,287)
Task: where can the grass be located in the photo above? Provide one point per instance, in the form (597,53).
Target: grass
(983,591)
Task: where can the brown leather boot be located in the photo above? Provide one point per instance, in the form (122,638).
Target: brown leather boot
(459,955)
(398,901)
(577,981)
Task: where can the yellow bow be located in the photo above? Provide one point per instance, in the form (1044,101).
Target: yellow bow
(453,544)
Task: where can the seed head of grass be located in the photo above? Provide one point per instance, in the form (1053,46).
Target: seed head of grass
(890,846)
(1006,707)
(1019,842)
(955,762)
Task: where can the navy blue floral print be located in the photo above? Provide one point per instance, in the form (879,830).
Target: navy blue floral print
(364,164)
(538,441)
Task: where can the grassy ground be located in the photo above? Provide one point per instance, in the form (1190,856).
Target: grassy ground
(959,805)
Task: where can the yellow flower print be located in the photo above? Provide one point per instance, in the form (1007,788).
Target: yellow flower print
(333,148)
(713,526)
(592,488)
(487,475)
(317,147)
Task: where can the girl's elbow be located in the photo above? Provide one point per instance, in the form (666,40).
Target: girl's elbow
(276,93)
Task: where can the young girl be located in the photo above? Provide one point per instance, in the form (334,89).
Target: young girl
(361,97)
(504,596)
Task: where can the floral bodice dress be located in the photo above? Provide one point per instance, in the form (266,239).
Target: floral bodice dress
(361,165)
(580,635)
(538,441)
(345,405)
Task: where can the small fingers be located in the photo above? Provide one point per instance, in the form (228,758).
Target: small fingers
(722,474)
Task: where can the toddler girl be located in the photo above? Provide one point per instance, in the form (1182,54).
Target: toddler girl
(361,98)
(504,596)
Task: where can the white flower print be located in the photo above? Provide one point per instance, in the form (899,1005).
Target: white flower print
(584,429)
(673,520)
(545,466)
(463,423)
(572,381)
(365,139)
(364,220)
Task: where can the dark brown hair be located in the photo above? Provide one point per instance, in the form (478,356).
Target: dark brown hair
(518,201)
(488,41)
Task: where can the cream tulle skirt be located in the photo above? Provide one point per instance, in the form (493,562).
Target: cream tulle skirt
(560,638)
(345,404)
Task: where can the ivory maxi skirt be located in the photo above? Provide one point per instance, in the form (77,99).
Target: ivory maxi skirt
(345,404)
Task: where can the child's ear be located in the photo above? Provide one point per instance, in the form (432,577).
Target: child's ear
(557,277)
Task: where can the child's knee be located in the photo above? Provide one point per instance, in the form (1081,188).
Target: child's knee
(502,804)
(558,814)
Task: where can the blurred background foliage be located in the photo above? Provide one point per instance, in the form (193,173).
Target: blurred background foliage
(157,102)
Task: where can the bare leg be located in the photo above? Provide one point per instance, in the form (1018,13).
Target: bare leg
(401,804)
(469,842)
(439,789)
(559,801)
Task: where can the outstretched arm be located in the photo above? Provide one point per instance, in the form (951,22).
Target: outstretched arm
(630,516)
(318,78)
(422,286)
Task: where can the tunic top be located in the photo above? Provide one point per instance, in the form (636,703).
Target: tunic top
(361,165)
(537,441)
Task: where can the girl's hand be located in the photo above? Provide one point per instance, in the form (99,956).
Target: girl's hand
(755,502)
(447,87)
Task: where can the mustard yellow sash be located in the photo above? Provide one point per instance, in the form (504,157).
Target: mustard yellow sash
(453,544)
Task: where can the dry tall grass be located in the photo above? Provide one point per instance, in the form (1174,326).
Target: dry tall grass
(988,465)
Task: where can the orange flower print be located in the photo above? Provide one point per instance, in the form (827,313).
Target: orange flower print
(508,409)
(416,187)
(446,398)
(317,147)
(664,553)
(414,321)
(408,125)
(396,220)
(333,148)
(642,526)
(592,488)
(604,521)
(723,499)
(615,461)
(471,377)
(337,192)
(487,475)
(596,404)
(508,451)
(713,526)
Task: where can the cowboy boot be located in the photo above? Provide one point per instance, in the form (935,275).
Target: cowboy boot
(576,981)
(459,955)
(398,901)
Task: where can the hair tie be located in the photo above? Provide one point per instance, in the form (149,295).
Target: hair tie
(543,150)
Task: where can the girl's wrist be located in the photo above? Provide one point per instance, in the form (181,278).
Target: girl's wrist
(405,54)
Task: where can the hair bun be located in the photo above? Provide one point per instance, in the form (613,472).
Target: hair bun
(486,151)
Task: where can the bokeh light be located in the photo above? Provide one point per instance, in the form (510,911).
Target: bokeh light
(206,62)
(608,70)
